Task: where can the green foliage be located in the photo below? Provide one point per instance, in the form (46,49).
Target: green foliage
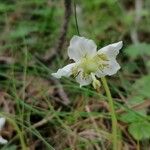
(138,126)
(12,147)
(140,130)
(22,31)
(131,117)
(142,86)
(5,8)
(35,25)
(138,50)
(30,21)
(103,21)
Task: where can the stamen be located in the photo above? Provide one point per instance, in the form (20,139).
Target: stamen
(102,57)
(75,71)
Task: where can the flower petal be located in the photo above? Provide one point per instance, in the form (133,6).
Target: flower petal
(99,73)
(2,140)
(82,80)
(111,69)
(80,47)
(2,122)
(111,50)
(65,71)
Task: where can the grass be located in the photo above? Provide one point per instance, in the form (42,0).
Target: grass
(36,116)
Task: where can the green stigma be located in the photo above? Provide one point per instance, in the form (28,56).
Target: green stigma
(90,64)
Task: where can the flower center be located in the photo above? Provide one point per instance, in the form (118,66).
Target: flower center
(90,64)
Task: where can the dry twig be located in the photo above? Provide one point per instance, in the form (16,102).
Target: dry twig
(60,92)
(63,33)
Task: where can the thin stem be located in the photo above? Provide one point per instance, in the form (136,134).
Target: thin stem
(24,84)
(76,20)
(112,111)
(138,145)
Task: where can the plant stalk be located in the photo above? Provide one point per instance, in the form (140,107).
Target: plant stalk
(112,111)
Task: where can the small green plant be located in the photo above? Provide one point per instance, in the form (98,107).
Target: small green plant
(91,64)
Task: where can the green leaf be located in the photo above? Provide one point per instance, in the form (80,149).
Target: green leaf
(142,86)
(136,50)
(22,31)
(140,130)
(134,116)
(131,117)
(12,147)
(5,8)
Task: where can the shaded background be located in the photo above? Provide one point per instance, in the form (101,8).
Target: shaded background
(34,35)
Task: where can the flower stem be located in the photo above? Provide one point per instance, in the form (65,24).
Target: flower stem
(112,111)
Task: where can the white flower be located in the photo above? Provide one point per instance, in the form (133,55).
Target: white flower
(90,63)
(2,123)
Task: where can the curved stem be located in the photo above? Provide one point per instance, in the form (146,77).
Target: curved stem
(112,111)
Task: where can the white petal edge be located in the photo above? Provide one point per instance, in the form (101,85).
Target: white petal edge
(2,140)
(80,47)
(111,50)
(83,81)
(111,69)
(2,122)
(65,71)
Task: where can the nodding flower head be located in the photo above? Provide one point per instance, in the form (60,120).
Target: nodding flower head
(90,64)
